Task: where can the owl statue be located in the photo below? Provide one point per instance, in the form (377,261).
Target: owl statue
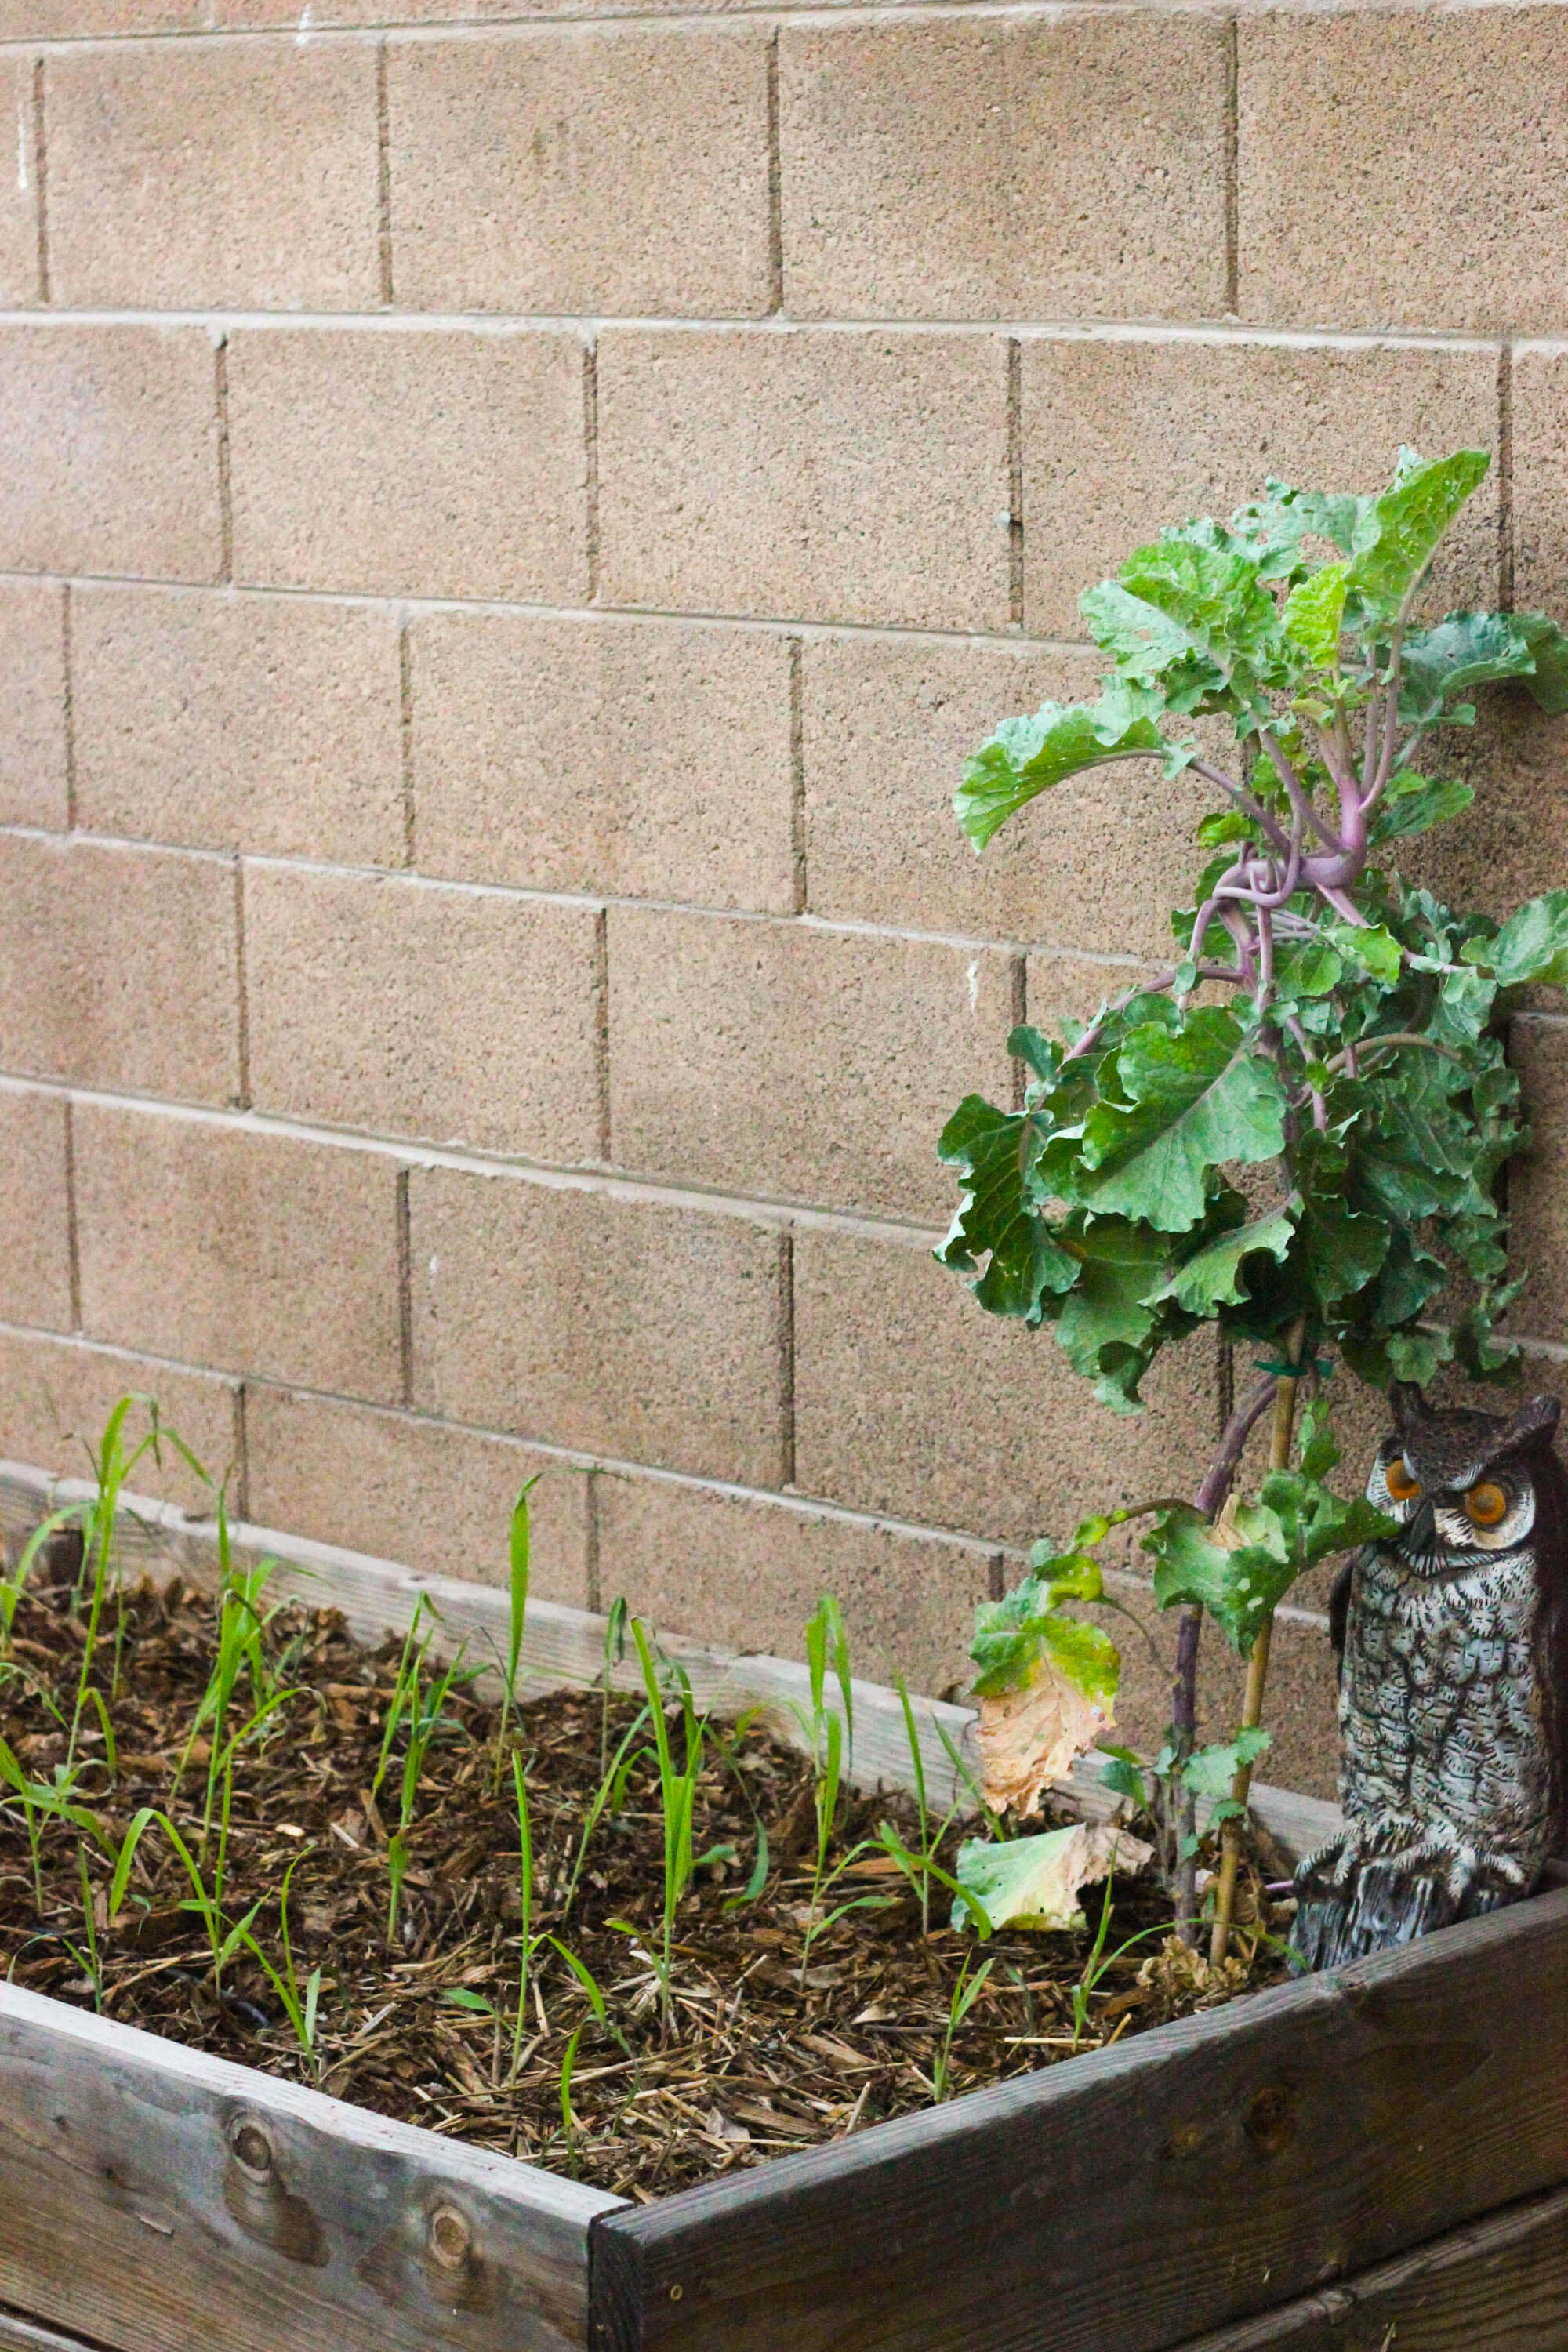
(1453,1642)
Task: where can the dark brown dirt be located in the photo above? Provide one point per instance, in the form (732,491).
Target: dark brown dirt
(752,2060)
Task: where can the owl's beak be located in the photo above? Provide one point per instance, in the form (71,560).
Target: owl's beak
(1420,1530)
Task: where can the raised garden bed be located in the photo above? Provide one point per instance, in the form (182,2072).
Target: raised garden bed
(1283,2156)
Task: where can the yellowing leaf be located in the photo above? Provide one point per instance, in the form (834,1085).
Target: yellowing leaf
(1034,1881)
(1029,1737)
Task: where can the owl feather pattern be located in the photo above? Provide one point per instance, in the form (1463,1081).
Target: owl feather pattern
(1453,1639)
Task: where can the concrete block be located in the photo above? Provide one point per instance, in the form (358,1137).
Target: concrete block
(1506,846)
(239,1251)
(18,189)
(120,423)
(1439,197)
(642,759)
(607,169)
(49,20)
(237,174)
(1125,435)
(911,1400)
(619,1324)
(262,723)
(779,1059)
(118,968)
(56,1395)
(1538,1185)
(745,1574)
(436,1499)
(458,1016)
(32,706)
(850,477)
(433,462)
(1095,865)
(1540,500)
(34,1213)
(1057,167)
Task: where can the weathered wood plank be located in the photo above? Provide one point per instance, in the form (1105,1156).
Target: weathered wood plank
(1501,2283)
(564,1648)
(19,2335)
(1132,2200)
(154,2198)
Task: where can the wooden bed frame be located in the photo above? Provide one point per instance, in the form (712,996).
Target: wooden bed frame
(1374,2160)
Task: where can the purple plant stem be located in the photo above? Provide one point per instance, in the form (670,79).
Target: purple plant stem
(1210,1494)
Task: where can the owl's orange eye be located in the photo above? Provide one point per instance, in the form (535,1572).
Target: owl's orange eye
(1399,1482)
(1486,1504)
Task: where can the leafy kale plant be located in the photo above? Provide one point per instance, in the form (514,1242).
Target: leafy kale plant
(1294,1131)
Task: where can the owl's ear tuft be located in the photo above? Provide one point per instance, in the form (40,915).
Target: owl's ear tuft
(1410,1407)
(1533,1425)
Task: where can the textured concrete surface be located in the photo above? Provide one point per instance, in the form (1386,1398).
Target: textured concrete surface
(263,723)
(459,1016)
(626,1327)
(584,168)
(139,988)
(32,779)
(783,1060)
(445,465)
(808,474)
(243,175)
(35,1216)
(555,489)
(1058,167)
(684,731)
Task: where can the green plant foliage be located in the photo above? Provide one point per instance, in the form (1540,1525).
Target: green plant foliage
(1323,1019)
(1107,1206)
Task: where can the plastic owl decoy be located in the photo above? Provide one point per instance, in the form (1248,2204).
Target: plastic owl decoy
(1453,1640)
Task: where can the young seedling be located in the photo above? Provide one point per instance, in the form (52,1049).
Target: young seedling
(965,1993)
(678,1798)
(614,1650)
(517,1610)
(612,1784)
(526,1891)
(1320,1017)
(425,1713)
(300,2008)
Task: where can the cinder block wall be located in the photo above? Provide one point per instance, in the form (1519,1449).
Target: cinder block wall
(509,524)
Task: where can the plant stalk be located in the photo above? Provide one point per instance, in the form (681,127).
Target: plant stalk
(1180,1820)
(1257,1668)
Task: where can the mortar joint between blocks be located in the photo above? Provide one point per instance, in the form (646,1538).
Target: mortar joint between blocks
(404,1287)
(786,1360)
(1505,474)
(225,483)
(406,735)
(383,175)
(73,1231)
(595,1600)
(1232,167)
(799,880)
(1015,482)
(242,994)
(241,1450)
(591,462)
(41,179)
(68,705)
(601,985)
(775,183)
